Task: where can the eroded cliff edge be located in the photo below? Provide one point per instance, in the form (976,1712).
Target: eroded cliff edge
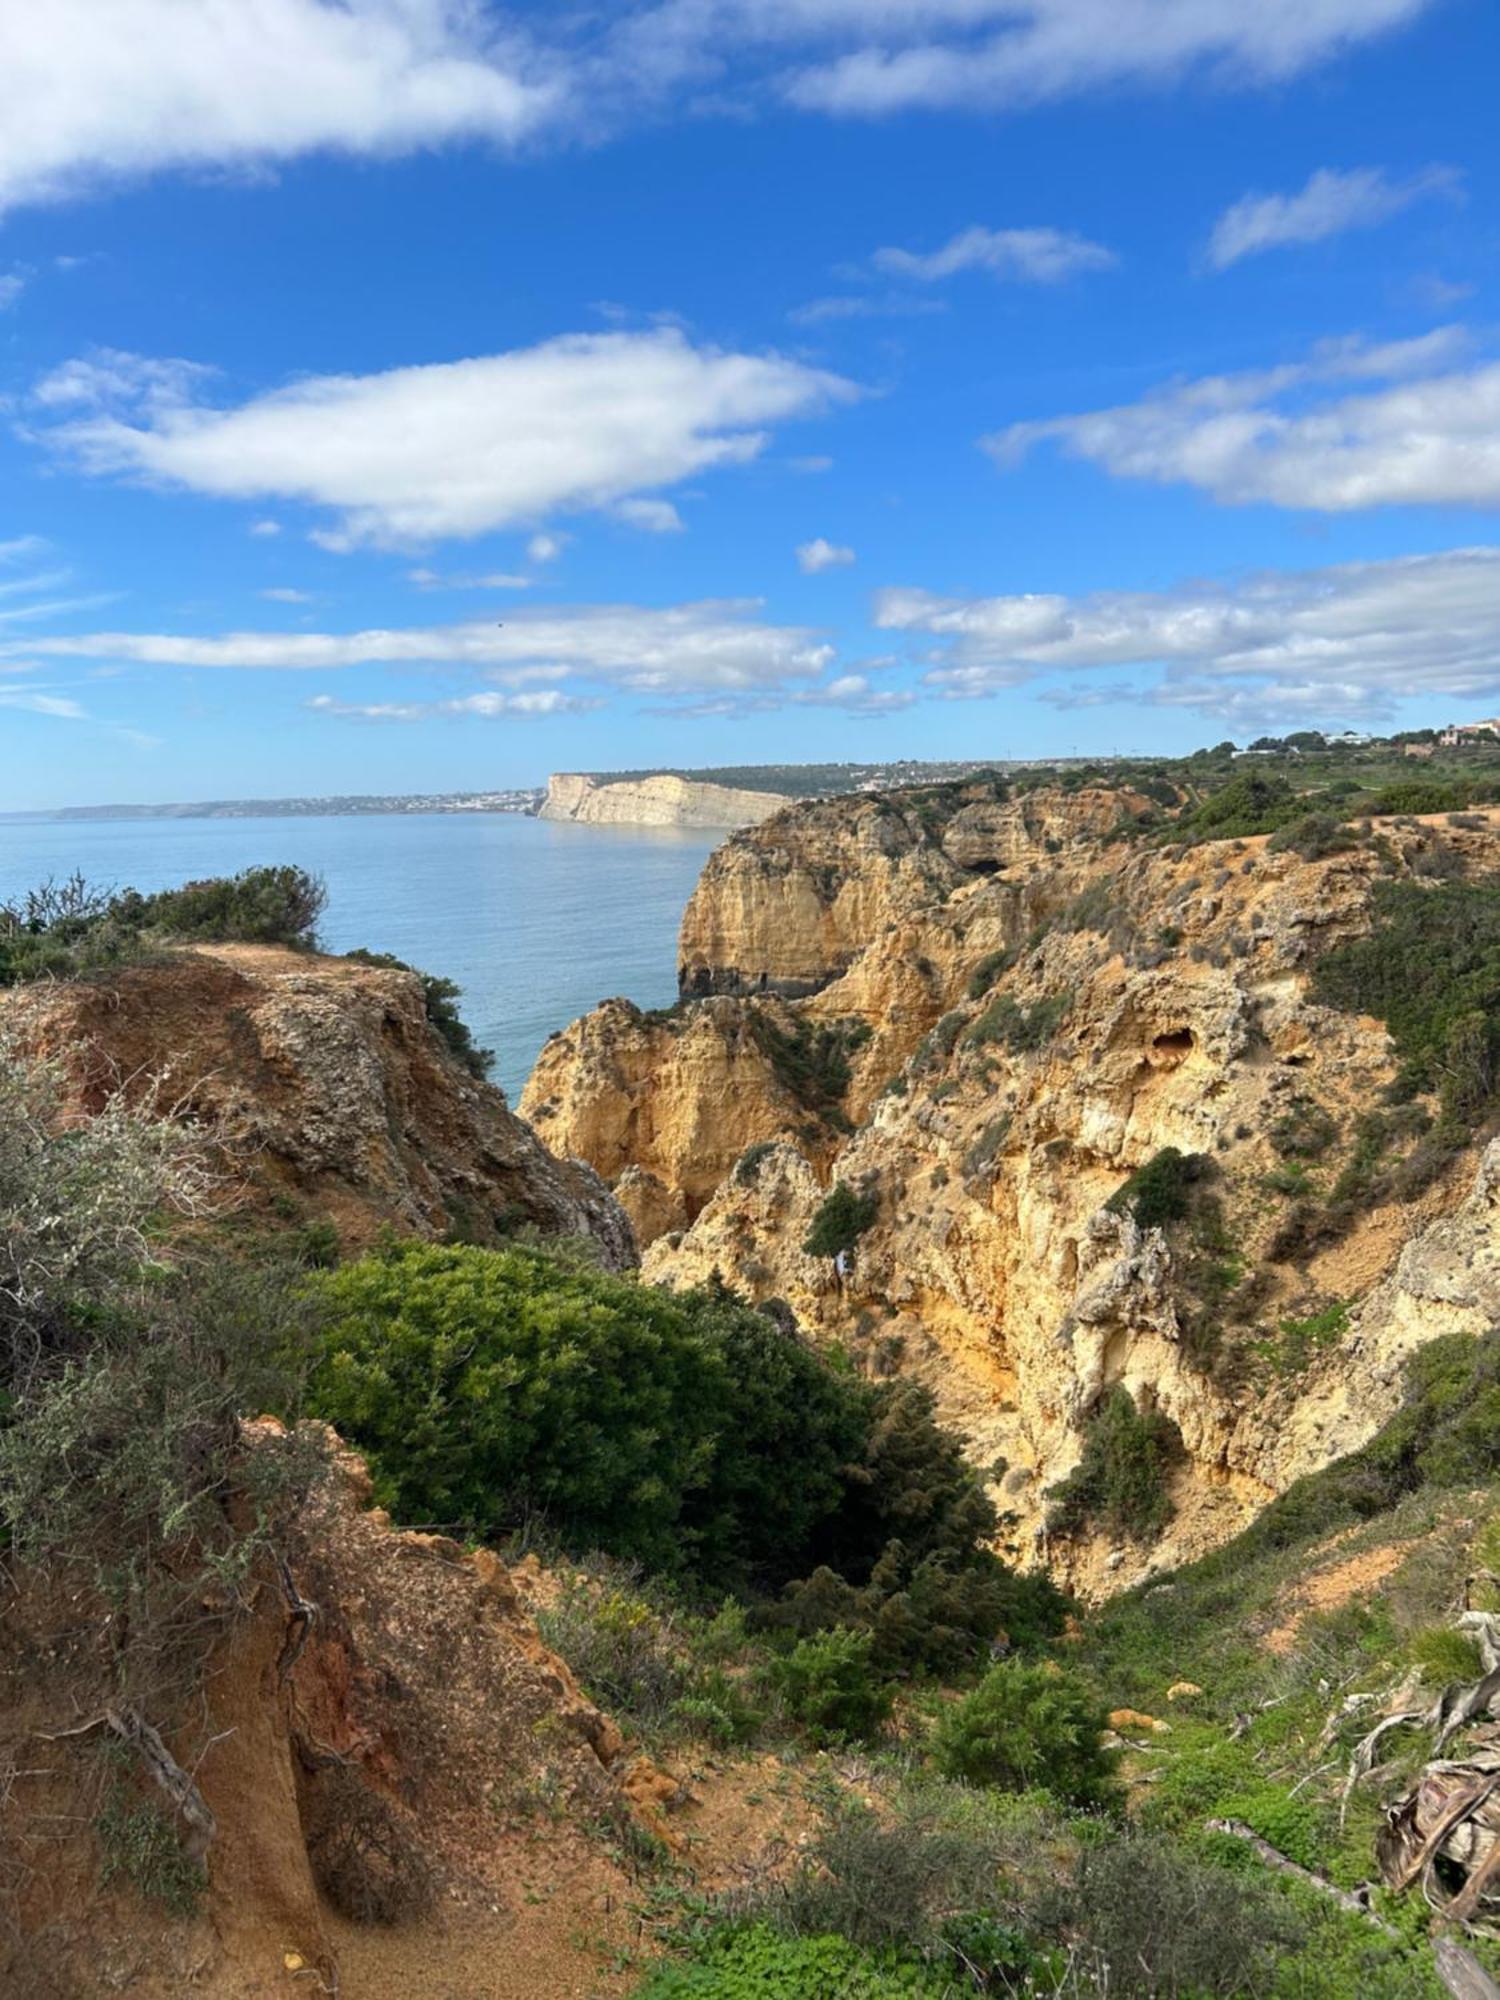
(327,1093)
(988,1014)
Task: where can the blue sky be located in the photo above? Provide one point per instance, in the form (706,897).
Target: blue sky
(412,395)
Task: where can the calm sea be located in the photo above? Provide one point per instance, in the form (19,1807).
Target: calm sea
(536,922)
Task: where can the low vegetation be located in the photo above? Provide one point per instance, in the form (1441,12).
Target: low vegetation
(1121,1484)
(69,930)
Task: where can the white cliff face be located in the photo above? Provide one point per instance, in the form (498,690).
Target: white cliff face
(659,801)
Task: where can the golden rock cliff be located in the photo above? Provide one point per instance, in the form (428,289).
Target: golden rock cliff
(1043,1012)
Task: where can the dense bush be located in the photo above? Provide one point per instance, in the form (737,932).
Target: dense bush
(686,1431)
(841,1219)
(1028,1727)
(1148,1921)
(258,906)
(440,1000)
(810,1059)
(1314,835)
(1120,1484)
(1161,1191)
(1430,969)
(68,930)
(907,1555)
(829,1685)
(1250,803)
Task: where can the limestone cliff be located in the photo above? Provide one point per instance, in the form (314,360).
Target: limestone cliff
(1047,1009)
(325,1088)
(663,800)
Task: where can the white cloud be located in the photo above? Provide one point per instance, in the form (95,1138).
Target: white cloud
(284,594)
(1349,640)
(217,83)
(1331,203)
(1028,256)
(108,377)
(451,449)
(431,579)
(652,517)
(264,529)
(490,706)
(12,284)
(1004,54)
(683,649)
(1423,438)
(821,554)
(546,548)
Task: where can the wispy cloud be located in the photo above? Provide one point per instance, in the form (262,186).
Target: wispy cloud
(1296,436)
(1022,256)
(1331,203)
(864,305)
(688,648)
(454,449)
(1352,640)
(285,594)
(493,707)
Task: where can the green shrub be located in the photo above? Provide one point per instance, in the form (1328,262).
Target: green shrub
(1028,1727)
(1417,795)
(1020,1029)
(68,930)
(756,1962)
(659,1427)
(440,1001)
(1160,1192)
(1250,803)
(1430,969)
(906,1555)
(1148,1921)
(257,906)
(138,1844)
(810,1059)
(842,1218)
(988,970)
(1313,836)
(1302,1340)
(828,1685)
(1120,1484)
(1304,1131)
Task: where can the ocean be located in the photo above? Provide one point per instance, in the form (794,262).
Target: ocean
(536,921)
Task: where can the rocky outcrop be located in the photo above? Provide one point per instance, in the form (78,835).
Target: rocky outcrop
(663,800)
(1047,1010)
(790,906)
(325,1089)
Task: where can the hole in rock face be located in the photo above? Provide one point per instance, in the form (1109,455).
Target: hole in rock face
(1172,1047)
